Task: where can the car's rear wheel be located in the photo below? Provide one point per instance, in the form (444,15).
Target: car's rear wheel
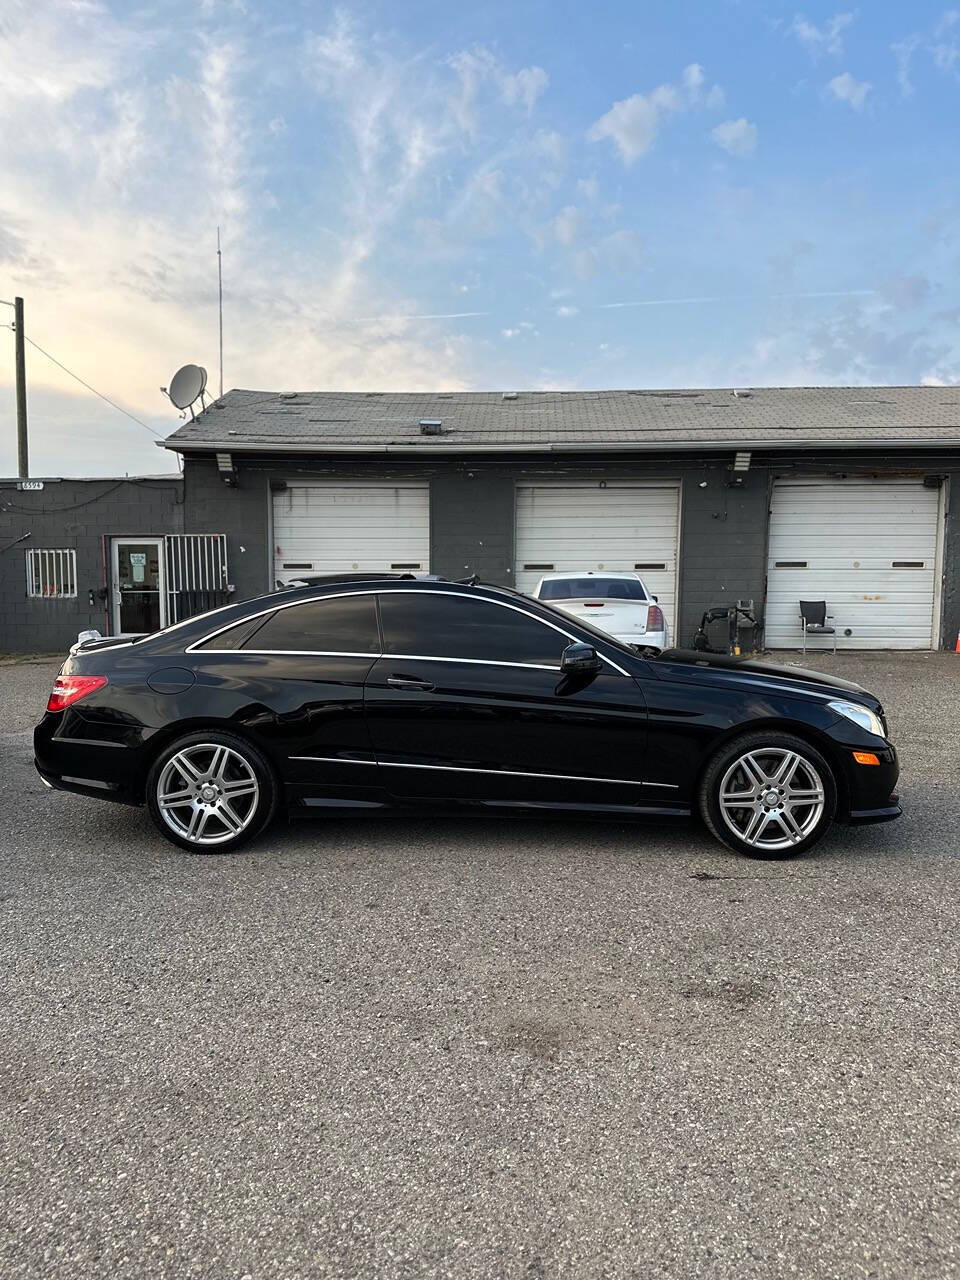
(768,795)
(210,792)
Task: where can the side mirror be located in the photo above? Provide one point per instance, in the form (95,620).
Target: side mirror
(656,599)
(580,659)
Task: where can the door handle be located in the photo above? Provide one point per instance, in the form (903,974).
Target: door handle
(409,682)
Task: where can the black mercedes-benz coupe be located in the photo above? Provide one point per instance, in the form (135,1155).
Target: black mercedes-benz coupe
(371,693)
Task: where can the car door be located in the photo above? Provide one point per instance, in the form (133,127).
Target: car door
(468,702)
(298,674)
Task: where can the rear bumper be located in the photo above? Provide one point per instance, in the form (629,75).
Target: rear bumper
(81,786)
(649,640)
(106,770)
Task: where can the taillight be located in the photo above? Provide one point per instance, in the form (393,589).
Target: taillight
(70,689)
(654,618)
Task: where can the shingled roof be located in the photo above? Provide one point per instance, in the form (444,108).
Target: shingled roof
(549,421)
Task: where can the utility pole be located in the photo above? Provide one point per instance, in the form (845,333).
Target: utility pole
(21,365)
(220,289)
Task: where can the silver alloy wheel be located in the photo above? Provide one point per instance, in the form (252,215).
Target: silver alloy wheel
(207,793)
(772,798)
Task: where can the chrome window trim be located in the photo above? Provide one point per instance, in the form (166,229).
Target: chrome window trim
(302,653)
(509,773)
(375,657)
(394,591)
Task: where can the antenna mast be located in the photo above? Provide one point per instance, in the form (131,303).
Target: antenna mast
(220,285)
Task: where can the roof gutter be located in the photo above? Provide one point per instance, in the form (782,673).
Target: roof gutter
(580,446)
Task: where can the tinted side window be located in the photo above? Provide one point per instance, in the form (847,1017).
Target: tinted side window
(344,624)
(428,625)
(234,637)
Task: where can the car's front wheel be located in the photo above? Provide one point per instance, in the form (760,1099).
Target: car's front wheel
(768,795)
(210,792)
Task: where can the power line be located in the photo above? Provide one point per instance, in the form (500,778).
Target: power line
(77,378)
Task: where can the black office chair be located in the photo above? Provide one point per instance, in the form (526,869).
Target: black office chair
(813,621)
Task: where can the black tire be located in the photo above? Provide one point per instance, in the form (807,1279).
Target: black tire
(729,773)
(245,789)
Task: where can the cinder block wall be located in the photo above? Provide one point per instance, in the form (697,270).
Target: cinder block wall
(951,565)
(723,543)
(723,551)
(472,526)
(240,512)
(73,514)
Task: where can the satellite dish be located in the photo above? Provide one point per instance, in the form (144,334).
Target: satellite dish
(188,385)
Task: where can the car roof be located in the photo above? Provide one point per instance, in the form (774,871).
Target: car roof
(590,573)
(336,583)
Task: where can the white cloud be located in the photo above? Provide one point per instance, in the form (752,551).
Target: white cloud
(820,40)
(524,87)
(633,124)
(510,333)
(694,82)
(589,187)
(116,177)
(621,252)
(478,68)
(552,145)
(738,137)
(569,225)
(903,52)
(941,45)
(847,89)
(566,312)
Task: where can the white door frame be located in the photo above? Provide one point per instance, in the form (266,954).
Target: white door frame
(115,599)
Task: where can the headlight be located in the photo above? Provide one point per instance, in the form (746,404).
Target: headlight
(860,715)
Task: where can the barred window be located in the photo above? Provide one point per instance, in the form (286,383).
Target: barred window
(51,575)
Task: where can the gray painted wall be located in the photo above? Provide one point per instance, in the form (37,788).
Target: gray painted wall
(72,514)
(950,611)
(472,526)
(722,555)
(723,543)
(210,506)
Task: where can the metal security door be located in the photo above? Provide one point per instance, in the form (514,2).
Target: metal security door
(196,573)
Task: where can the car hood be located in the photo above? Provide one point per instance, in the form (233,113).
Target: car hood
(716,668)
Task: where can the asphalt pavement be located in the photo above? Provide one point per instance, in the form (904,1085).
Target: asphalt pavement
(436,1048)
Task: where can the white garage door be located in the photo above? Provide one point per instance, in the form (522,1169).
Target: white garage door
(868,547)
(329,528)
(584,526)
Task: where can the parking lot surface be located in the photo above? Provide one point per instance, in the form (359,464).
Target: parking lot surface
(431,1048)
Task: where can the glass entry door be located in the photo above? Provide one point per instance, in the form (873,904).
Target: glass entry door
(139,595)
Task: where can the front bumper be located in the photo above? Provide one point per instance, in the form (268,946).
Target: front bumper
(871,789)
(891,811)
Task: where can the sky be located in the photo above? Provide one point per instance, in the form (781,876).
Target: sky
(418,195)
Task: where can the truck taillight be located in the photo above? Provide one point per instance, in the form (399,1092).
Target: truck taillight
(69,689)
(654,618)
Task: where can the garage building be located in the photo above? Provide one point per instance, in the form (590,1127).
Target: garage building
(766,495)
(772,495)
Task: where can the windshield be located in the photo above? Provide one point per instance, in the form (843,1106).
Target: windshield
(592,589)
